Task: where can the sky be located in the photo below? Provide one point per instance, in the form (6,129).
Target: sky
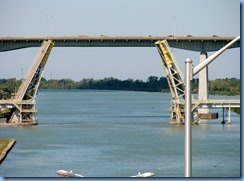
(120,17)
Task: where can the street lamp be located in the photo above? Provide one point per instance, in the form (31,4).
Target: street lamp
(189,73)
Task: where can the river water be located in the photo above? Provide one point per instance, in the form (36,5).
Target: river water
(117,134)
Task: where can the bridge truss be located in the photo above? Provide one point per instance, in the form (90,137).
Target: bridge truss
(22,103)
(177,90)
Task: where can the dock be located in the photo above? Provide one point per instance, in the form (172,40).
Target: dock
(5,146)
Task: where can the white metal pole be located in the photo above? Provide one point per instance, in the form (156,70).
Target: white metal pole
(188,122)
(229,122)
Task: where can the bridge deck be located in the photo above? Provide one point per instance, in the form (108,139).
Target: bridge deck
(194,43)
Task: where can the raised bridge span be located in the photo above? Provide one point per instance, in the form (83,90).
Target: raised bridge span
(193,43)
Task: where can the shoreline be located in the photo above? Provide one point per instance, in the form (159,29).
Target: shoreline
(5,146)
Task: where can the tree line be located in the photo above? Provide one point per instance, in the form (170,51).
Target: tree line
(153,84)
(228,86)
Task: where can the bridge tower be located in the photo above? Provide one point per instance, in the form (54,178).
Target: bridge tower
(22,103)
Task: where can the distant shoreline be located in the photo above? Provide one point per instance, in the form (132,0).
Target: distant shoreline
(227,86)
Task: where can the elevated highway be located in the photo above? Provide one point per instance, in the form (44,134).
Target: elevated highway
(193,43)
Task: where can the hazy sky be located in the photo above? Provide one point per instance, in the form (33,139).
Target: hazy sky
(116,17)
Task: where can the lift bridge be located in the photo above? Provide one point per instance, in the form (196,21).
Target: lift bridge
(200,107)
(22,103)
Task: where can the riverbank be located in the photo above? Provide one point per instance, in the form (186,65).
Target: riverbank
(5,146)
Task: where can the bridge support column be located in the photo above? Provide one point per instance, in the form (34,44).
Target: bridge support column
(229,122)
(223,112)
(226,115)
(203,85)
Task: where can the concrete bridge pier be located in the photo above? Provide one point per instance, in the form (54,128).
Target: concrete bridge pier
(203,79)
(203,86)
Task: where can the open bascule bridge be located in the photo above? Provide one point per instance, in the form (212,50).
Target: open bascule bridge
(21,106)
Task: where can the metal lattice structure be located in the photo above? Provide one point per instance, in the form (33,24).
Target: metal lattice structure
(177,89)
(22,104)
(175,81)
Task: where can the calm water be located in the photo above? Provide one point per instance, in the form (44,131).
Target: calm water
(117,134)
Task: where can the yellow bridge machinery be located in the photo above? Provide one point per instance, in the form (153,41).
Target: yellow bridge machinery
(175,81)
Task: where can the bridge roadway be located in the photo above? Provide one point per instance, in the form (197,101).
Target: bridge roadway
(193,43)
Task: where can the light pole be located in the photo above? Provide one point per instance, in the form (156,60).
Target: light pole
(189,73)
(188,131)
